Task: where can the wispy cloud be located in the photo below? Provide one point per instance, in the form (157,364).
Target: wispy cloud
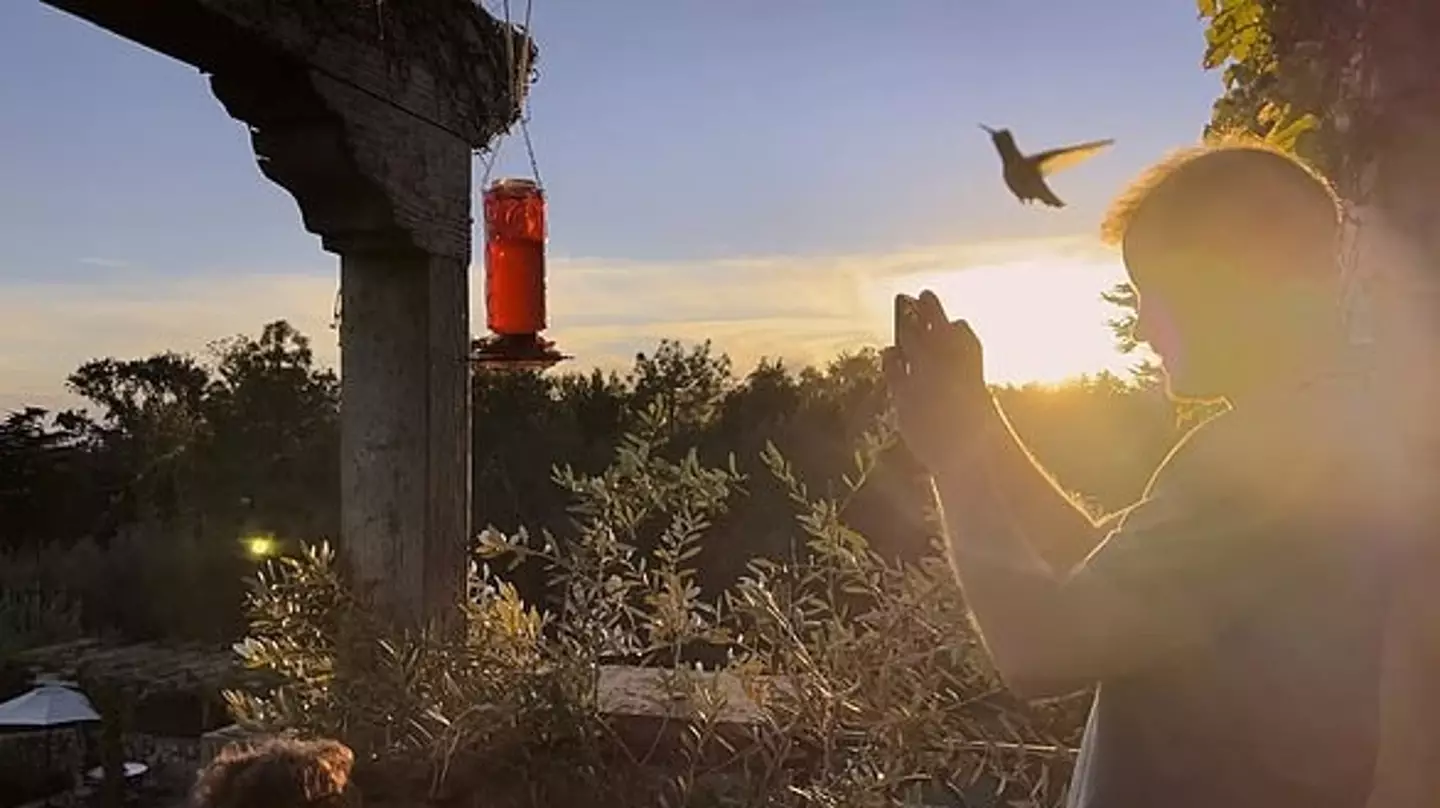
(106,263)
(801,308)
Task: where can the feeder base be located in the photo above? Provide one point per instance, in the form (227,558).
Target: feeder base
(502,352)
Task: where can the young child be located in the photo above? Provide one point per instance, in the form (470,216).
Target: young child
(277,773)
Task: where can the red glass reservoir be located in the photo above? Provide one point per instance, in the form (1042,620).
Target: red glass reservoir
(515,257)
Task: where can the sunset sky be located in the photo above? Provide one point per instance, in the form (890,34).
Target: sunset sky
(764,174)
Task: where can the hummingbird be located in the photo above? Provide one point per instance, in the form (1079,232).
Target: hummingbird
(1025,173)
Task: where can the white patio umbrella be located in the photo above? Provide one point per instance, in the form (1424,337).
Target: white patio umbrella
(48,705)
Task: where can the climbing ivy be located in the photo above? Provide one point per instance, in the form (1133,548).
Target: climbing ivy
(1262,97)
(1290,73)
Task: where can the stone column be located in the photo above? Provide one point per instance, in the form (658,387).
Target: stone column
(405,426)
(368,113)
(390,195)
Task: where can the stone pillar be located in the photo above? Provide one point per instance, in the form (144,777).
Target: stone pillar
(390,195)
(405,427)
(368,113)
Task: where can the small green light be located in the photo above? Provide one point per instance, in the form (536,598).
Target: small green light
(260,545)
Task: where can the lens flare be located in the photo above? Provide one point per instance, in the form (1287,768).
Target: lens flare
(260,545)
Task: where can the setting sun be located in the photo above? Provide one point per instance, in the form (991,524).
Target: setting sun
(1040,321)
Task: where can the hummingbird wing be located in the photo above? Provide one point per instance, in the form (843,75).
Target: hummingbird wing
(1049,162)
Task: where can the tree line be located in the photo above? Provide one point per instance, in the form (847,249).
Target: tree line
(174,459)
(130,514)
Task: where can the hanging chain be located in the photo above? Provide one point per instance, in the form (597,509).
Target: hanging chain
(522,80)
(520,67)
(520,74)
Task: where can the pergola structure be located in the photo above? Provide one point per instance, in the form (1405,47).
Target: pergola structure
(368,113)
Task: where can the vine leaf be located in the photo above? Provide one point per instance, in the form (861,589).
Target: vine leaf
(1235,33)
(1285,136)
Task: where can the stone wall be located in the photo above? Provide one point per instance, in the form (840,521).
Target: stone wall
(61,748)
(169,758)
(173,761)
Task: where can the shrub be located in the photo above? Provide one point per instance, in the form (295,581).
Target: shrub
(192,585)
(30,616)
(869,684)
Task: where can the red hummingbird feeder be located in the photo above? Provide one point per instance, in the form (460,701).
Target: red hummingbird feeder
(514,280)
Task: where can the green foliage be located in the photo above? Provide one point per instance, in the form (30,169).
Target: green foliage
(31,616)
(154,484)
(666,525)
(688,385)
(1123,296)
(866,680)
(175,460)
(1237,39)
(1285,67)
(408,702)
(1347,86)
(191,586)
(1236,32)
(1149,379)
(637,526)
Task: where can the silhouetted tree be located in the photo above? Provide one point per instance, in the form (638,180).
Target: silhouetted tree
(150,487)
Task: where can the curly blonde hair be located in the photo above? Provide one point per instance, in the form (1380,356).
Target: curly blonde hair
(1228,168)
(277,773)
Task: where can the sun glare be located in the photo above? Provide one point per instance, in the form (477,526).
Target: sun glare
(1040,321)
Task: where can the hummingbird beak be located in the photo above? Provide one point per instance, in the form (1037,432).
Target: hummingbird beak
(987,129)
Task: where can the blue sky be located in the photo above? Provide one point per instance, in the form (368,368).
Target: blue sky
(762,172)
